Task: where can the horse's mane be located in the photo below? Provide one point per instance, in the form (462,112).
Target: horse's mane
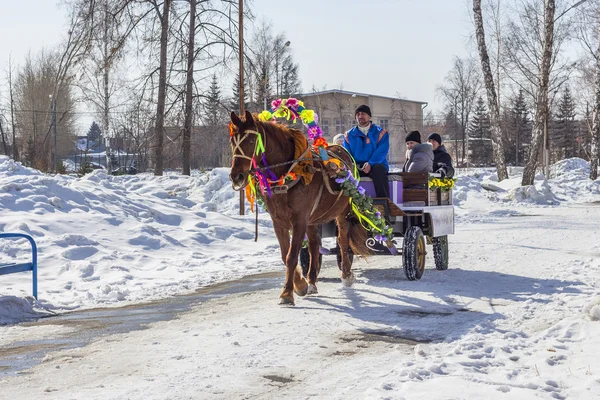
(282,133)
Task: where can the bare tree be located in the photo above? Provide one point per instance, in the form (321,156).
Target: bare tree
(541,98)
(3,137)
(401,121)
(589,36)
(11,99)
(187,132)
(493,105)
(536,64)
(460,91)
(273,72)
(162,87)
(35,81)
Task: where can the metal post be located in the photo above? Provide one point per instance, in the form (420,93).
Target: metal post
(53,100)
(241,68)
(545,144)
(546,148)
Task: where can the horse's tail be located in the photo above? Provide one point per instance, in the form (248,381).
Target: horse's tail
(358,238)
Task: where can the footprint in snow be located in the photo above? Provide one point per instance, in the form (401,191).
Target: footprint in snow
(79,253)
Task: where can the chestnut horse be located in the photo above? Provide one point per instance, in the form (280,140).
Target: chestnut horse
(304,206)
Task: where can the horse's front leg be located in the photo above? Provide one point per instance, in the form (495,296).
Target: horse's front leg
(314,243)
(282,232)
(294,281)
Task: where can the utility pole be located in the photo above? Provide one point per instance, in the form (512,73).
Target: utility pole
(53,104)
(241,68)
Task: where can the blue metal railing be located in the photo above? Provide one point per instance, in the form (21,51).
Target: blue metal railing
(11,268)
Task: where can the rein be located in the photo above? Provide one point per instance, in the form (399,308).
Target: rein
(297,160)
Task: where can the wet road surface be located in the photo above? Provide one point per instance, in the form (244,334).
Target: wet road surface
(88,325)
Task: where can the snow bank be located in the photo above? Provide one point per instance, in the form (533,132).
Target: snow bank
(111,239)
(592,309)
(16,309)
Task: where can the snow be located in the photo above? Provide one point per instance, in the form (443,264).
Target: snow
(517,313)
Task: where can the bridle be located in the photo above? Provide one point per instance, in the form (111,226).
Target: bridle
(237,144)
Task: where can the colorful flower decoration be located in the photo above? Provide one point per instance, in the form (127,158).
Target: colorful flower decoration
(444,184)
(362,206)
(294,109)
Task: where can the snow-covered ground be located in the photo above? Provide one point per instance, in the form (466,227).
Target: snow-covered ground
(516,315)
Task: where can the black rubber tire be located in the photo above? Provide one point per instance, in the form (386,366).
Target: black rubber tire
(413,253)
(440,252)
(305,260)
(338,258)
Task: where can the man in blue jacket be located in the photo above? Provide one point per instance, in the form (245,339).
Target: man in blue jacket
(369,145)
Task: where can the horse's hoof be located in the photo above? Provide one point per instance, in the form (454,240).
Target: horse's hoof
(301,289)
(312,289)
(349,281)
(301,292)
(287,301)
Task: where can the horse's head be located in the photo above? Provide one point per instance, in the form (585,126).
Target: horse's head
(243,138)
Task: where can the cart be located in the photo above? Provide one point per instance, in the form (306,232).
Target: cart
(419,217)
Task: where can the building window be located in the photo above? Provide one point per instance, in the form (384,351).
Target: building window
(349,124)
(384,123)
(339,126)
(325,127)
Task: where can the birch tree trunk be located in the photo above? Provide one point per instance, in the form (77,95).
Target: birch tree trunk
(541,102)
(187,132)
(497,144)
(162,90)
(596,124)
(105,83)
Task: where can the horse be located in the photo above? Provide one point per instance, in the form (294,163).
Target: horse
(306,204)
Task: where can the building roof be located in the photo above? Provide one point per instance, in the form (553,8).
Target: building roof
(323,92)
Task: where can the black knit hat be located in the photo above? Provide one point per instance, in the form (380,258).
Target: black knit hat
(363,108)
(414,136)
(436,137)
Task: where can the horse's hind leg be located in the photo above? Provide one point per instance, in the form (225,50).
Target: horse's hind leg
(343,239)
(312,234)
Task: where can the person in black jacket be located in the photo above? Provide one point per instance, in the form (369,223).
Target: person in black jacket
(442,162)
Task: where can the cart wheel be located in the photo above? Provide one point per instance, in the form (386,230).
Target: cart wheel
(338,258)
(305,260)
(440,252)
(413,253)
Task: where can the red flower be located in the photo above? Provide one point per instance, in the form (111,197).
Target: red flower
(320,142)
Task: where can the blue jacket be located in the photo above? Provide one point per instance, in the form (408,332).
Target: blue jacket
(372,148)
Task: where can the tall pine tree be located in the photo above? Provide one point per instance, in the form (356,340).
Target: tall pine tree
(212,104)
(480,136)
(290,82)
(214,141)
(518,132)
(94,133)
(564,143)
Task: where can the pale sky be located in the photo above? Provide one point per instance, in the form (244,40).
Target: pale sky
(384,47)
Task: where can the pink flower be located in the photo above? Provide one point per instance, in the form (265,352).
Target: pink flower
(291,102)
(275,104)
(313,132)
